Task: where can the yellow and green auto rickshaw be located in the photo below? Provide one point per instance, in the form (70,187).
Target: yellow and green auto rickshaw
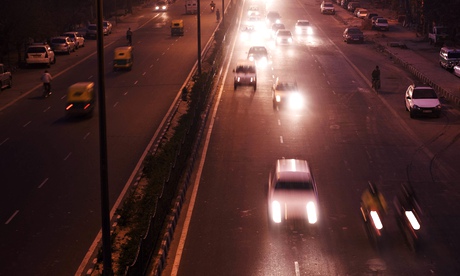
(80,99)
(123,58)
(177,27)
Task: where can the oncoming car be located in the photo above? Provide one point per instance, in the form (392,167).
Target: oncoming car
(259,55)
(292,192)
(283,37)
(161,6)
(303,27)
(245,74)
(286,94)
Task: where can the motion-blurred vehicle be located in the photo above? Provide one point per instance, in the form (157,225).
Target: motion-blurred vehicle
(40,53)
(123,58)
(422,100)
(283,37)
(285,93)
(381,24)
(161,6)
(248,32)
(106,27)
(259,55)
(177,27)
(292,192)
(62,44)
(373,209)
(253,10)
(76,38)
(272,17)
(353,34)
(6,79)
(327,7)
(352,6)
(303,27)
(245,74)
(80,99)
(275,27)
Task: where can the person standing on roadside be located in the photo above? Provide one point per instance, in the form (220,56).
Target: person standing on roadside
(218,15)
(376,78)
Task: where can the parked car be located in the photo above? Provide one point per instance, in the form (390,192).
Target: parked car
(327,7)
(362,13)
(62,44)
(40,53)
(381,24)
(352,6)
(370,15)
(457,70)
(76,38)
(91,31)
(107,27)
(422,100)
(449,57)
(6,80)
(353,34)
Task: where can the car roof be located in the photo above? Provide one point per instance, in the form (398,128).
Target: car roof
(245,62)
(292,169)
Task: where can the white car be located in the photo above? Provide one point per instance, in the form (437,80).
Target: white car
(285,93)
(457,70)
(283,37)
(362,13)
(381,24)
(78,39)
(40,53)
(303,27)
(422,100)
(292,192)
(327,7)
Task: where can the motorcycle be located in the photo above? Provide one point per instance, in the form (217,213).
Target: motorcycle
(374,225)
(213,7)
(408,221)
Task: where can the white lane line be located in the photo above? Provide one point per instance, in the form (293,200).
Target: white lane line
(12,216)
(43,183)
(143,74)
(86,135)
(63,97)
(67,157)
(4,141)
(151,66)
(279,122)
(115,105)
(126,93)
(48,108)
(27,124)
(136,82)
(90,77)
(281,139)
(297,270)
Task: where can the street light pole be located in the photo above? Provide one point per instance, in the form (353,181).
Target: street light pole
(198,22)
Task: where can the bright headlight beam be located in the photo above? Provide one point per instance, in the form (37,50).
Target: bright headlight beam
(311,213)
(376,219)
(276,211)
(413,220)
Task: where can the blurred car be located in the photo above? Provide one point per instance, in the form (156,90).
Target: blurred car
(422,100)
(272,17)
(303,27)
(106,27)
(255,21)
(381,24)
(327,7)
(245,73)
(248,32)
(253,10)
(91,31)
(283,37)
(62,44)
(275,27)
(259,55)
(292,192)
(40,53)
(160,6)
(362,13)
(76,38)
(286,94)
(370,15)
(457,70)
(353,34)
(352,6)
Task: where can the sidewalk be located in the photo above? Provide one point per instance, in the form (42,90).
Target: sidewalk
(412,52)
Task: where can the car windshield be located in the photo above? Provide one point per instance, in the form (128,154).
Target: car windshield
(303,23)
(453,55)
(424,94)
(245,69)
(258,51)
(294,185)
(58,41)
(329,5)
(284,33)
(286,87)
(382,21)
(36,50)
(354,31)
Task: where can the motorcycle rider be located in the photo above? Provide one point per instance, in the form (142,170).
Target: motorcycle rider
(46,80)
(213,6)
(376,78)
(372,199)
(406,203)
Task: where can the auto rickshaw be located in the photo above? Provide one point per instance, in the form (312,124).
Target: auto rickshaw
(80,99)
(177,27)
(123,58)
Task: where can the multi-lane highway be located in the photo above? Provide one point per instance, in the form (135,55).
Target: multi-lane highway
(49,166)
(349,134)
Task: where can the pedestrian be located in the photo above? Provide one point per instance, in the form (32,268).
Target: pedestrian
(46,80)
(376,78)
(218,15)
(129,36)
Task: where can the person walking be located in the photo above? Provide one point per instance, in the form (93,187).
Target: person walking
(46,80)
(218,15)
(376,78)
(129,36)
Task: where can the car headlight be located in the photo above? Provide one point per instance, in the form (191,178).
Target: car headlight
(277,98)
(311,212)
(438,106)
(276,211)
(413,220)
(295,100)
(251,58)
(309,31)
(376,220)
(290,40)
(277,21)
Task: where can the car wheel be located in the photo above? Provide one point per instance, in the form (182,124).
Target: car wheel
(411,114)
(10,84)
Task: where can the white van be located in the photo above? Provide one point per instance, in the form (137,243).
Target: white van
(190,7)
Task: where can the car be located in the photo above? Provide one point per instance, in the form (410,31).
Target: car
(353,34)
(106,27)
(292,193)
(303,27)
(40,53)
(248,32)
(6,79)
(457,70)
(381,24)
(374,18)
(91,31)
(449,57)
(371,14)
(362,13)
(160,6)
(245,73)
(255,21)
(275,27)
(62,44)
(422,100)
(327,7)
(355,12)
(352,6)
(272,17)
(283,37)
(78,39)
(253,10)
(259,55)
(285,93)
(344,3)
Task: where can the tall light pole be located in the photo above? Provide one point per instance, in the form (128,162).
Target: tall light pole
(198,22)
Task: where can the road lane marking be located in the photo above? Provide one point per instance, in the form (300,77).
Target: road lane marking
(4,141)
(281,139)
(297,270)
(12,216)
(279,122)
(43,183)
(27,124)
(46,109)
(115,105)
(86,135)
(67,157)
(136,82)
(63,97)
(143,74)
